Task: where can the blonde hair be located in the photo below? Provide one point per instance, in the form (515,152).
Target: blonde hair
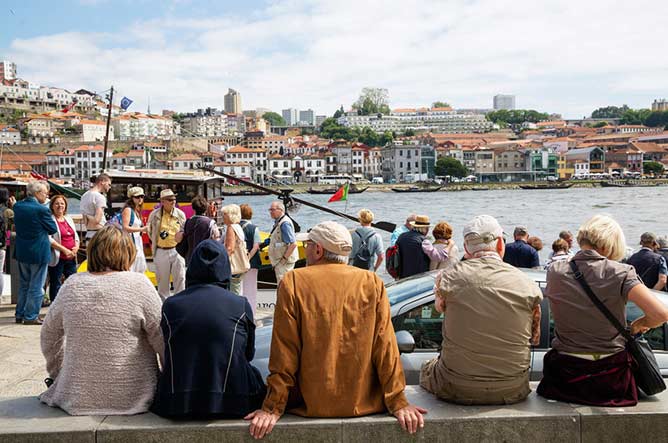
(365,216)
(604,234)
(233,212)
(110,249)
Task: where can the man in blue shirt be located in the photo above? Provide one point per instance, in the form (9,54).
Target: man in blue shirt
(283,253)
(519,253)
(401,229)
(32,250)
(650,265)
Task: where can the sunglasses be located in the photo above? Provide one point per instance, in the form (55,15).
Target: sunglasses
(137,196)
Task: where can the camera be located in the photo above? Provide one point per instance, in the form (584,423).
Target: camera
(163,234)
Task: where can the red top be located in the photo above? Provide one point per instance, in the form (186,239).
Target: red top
(67,238)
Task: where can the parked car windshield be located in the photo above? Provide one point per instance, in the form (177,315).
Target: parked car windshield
(404,289)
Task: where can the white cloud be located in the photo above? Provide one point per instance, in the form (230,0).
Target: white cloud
(558,57)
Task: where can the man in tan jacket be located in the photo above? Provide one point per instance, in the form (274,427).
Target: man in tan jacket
(326,314)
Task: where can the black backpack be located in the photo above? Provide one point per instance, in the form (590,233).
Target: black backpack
(361,259)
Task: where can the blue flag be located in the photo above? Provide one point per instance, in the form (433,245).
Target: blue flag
(125,103)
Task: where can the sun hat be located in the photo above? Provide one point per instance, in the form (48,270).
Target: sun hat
(135,191)
(332,236)
(165,193)
(421,221)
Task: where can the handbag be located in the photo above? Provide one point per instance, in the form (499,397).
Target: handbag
(646,372)
(239,262)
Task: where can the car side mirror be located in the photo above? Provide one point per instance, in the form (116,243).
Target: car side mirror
(405,342)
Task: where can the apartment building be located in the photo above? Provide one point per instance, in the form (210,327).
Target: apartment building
(89,161)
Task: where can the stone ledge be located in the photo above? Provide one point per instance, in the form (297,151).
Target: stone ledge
(27,420)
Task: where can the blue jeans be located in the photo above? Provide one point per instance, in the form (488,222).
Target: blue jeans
(31,281)
(64,267)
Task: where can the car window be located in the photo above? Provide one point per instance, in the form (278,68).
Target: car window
(405,289)
(424,323)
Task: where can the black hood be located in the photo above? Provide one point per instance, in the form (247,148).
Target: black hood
(209,264)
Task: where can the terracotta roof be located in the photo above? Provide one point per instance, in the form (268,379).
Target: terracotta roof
(91,122)
(89,148)
(135,153)
(231,164)
(242,149)
(448,108)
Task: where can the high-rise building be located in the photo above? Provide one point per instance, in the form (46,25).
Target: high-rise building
(503,101)
(291,116)
(232,102)
(307,117)
(7,70)
(660,105)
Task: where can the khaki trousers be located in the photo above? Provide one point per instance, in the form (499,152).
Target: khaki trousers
(281,269)
(169,262)
(435,378)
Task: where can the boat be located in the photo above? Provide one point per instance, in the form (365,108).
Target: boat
(351,190)
(547,186)
(479,188)
(243,193)
(629,183)
(417,189)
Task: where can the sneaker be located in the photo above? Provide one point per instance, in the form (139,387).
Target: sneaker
(18,320)
(36,321)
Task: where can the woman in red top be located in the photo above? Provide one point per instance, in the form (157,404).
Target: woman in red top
(64,246)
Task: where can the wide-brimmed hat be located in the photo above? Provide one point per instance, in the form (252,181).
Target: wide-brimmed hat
(135,191)
(332,236)
(421,221)
(166,193)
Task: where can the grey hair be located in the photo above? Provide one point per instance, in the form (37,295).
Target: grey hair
(233,212)
(34,187)
(335,258)
(279,204)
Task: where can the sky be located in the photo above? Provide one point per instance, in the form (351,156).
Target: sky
(558,57)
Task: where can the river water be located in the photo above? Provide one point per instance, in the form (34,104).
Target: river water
(544,212)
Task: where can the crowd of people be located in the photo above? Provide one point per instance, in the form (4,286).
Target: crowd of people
(114,345)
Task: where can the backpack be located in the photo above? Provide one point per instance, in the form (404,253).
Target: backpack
(117,219)
(363,256)
(392,261)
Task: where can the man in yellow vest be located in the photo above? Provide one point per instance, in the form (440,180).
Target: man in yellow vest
(283,252)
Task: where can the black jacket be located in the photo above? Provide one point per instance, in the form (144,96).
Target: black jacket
(209,343)
(412,257)
(647,265)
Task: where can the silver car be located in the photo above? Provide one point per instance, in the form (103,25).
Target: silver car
(418,326)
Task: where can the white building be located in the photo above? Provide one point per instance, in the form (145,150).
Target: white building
(205,126)
(133,126)
(423,119)
(241,169)
(313,167)
(504,101)
(185,162)
(357,165)
(9,135)
(93,130)
(89,161)
(344,159)
(255,157)
(61,164)
(7,70)
(281,168)
(373,163)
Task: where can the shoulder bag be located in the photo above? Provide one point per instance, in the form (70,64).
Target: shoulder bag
(647,373)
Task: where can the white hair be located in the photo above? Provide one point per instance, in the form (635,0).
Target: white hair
(34,187)
(335,258)
(279,204)
(233,212)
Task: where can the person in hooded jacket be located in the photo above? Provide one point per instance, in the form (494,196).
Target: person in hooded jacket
(209,343)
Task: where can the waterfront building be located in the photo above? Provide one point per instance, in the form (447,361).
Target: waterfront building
(9,135)
(240,169)
(401,162)
(584,161)
(7,70)
(422,119)
(61,164)
(185,162)
(89,161)
(510,160)
(137,126)
(344,156)
(625,159)
(232,102)
(542,162)
(660,105)
(484,161)
(290,116)
(256,158)
(504,101)
(373,163)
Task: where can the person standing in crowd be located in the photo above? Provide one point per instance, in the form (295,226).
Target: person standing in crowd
(192,384)
(367,244)
(650,266)
(559,252)
(588,362)
(32,250)
(101,338)
(64,246)
(401,229)
(283,253)
(196,229)
(93,203)
(252,236)
(443,253)
(235,244)
(4,227)
(566,236)
(131,217)
(519,253)
(164,223)
(535,242)
(493,314)
(663,251)
(328,313)
(413,258)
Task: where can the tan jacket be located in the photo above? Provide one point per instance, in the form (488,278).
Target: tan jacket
(154,220)
(277,246)
(333,347)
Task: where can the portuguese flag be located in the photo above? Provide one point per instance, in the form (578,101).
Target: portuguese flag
(341,194)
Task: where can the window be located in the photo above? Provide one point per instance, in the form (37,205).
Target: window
(424,323)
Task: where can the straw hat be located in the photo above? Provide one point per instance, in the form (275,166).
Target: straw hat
(421,221)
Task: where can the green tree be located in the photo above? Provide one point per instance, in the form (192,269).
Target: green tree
(439,104)
(655,168)
(635,116)
(409,133)
(610,112)
(331,129)
(600,124)
(339,112)
(450,166)
(516,117)
(372,101)
(657,118)
(274,119)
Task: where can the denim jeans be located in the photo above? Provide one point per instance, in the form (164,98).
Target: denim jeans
(64,267)
(31,281)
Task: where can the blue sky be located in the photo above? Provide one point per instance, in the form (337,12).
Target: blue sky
(554,56)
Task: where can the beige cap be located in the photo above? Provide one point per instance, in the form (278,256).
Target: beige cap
(135,191)
(484,227)
(165,193)
(332,236)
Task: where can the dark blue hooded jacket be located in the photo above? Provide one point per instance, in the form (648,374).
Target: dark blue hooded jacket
(209,343)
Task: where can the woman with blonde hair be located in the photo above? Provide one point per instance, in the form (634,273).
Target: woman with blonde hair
(64,246)
(101,338)
(235,244)
(133,224)
(588,362)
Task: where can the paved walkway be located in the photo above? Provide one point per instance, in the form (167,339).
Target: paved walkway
(22,367)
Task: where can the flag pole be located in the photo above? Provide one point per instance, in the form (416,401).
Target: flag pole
(347,191)
(106,137)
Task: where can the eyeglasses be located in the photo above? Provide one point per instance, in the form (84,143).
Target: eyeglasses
(171,200)
(137,196)
(308,242)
